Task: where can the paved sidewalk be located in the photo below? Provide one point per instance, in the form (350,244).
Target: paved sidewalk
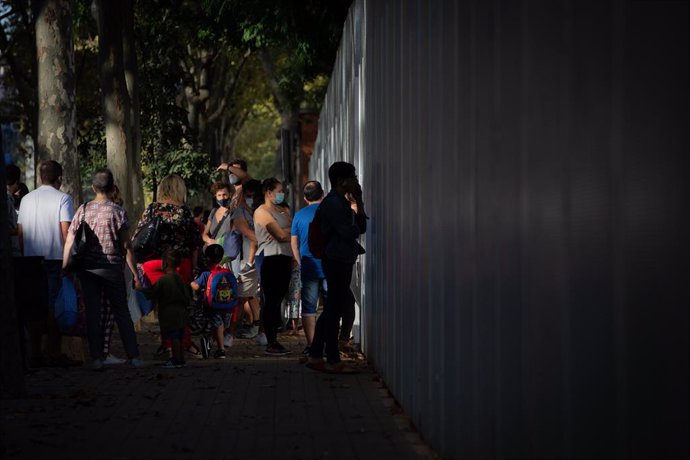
(247,406)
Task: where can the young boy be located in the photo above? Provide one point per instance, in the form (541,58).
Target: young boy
(219,319)
(172,295)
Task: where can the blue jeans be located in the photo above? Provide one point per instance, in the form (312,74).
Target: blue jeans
(311,288)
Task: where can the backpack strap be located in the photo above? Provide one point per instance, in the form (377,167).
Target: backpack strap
(214,231)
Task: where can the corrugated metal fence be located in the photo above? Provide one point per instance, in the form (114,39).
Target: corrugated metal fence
(525,288)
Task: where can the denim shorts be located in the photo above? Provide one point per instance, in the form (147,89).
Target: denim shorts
(175,334)
(311,288)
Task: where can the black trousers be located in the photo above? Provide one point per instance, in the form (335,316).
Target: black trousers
(340,303)
(275,281)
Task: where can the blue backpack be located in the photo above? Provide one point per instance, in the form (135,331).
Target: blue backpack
(221,289)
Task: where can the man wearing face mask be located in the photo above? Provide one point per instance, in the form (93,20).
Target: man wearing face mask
(342,222)
(237,176)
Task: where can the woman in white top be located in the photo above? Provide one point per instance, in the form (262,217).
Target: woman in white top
(272,226)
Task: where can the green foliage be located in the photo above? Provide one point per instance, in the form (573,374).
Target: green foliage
(257,142)
(189,164)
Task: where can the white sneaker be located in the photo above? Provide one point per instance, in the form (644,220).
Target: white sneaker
(228,340)
(137,362)
(261,340)
(110,359)
(97,365)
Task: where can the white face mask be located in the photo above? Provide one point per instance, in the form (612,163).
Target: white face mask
(234,180)
(250,202)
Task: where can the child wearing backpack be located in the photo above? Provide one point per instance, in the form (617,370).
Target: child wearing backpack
(173,296)
(220,297)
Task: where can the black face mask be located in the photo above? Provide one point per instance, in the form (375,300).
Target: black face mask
(224,202)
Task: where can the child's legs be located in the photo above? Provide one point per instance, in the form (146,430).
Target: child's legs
(176,345)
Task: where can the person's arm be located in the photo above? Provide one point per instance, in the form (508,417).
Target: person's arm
(341,220)
(126,248)
(64,226)
(265,219)
(243,227)
(239,172)
(207,233)
(294,243)
(69,241)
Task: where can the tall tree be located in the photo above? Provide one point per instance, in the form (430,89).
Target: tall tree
(129,54)
(56,91)
(116,101)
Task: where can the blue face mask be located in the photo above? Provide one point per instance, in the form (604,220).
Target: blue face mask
(224,202)
(280,197)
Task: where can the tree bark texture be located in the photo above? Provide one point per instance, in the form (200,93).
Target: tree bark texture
(132,79)
(57,123)
(11,367)
(116,103)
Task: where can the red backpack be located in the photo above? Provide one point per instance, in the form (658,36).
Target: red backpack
(221,289)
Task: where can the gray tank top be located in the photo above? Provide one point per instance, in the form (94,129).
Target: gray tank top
(273,247)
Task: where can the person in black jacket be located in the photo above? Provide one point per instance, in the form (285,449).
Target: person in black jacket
(343,220)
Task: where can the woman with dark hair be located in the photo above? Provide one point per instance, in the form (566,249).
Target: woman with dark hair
(108,247)
(272,225)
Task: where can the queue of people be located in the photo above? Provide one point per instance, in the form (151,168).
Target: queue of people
(242,290)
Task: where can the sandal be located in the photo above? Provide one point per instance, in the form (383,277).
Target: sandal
(193,350)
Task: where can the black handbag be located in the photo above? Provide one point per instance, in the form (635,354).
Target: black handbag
(78,249)
(145,242)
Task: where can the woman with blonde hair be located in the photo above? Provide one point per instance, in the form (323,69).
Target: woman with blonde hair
(177,231)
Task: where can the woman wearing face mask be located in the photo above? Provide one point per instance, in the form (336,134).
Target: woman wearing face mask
(272,225)
(219,221)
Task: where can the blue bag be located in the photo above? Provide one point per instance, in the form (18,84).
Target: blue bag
(232,244)
(66,306)
(145,304)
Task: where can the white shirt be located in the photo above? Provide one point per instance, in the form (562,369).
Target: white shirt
(40,215)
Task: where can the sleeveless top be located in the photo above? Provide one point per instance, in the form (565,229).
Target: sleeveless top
(273,247)
(224,228)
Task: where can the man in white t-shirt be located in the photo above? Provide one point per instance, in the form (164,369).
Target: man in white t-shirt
(44,217)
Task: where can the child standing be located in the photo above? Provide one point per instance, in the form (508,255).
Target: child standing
(218,318)
(172,295)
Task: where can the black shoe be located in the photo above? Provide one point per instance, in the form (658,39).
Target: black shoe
(205,347)
(219,354)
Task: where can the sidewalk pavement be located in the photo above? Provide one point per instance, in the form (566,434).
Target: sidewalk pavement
(248,406)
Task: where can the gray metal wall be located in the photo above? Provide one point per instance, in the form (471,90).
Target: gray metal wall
(525,288)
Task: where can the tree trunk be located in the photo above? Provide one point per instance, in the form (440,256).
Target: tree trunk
(116,103)
(11,367)
(56,91)
(132,79)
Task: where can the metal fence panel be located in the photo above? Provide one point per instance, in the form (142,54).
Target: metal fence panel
(525,288)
